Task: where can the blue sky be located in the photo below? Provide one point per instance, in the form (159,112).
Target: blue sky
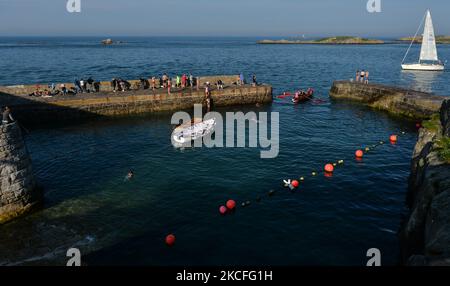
(219,18)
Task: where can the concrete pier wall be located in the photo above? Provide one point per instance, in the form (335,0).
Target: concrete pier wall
(107,104)
(409,103)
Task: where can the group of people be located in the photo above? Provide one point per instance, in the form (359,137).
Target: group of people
(79,86)
(362,76)
(119,84)
(241,80)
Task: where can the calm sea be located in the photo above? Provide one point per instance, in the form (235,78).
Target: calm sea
(331,221)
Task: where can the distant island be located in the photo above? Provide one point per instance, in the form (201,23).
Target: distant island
(439,39)
(341,40)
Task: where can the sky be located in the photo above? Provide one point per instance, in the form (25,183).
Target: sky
(260,18)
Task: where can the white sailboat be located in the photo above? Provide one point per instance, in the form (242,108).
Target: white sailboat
(428,60)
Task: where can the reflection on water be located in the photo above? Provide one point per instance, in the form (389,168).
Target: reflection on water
(420,80)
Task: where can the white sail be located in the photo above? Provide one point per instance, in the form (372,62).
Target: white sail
(428,51)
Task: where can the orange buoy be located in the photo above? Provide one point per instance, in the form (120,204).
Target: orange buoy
(329,168)
(223,210)
(359,154)
(295,183)
(231,204)
(393,138)
(170,239)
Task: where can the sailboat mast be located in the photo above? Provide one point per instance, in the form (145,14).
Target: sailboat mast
(415,36)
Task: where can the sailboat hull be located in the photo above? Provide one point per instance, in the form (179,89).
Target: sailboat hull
(423,67)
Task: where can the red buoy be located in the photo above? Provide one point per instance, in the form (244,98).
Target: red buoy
(329,168)
(295,183)
(359,154)
(231,204)
(393,138)
(170,239)
(223,210)
(328,175)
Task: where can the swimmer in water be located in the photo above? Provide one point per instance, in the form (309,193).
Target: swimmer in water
(129,176)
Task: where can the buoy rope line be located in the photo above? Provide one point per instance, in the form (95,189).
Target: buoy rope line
(328,170)
(230,206)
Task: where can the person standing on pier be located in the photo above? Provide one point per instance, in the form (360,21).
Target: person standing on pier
(77,85)
(357,76)
(169,85)
(191,80)
(362,75)
(153,83)
(367,78)
(7,117)
(254,82)
(241,79)
(183,80)
(208,97)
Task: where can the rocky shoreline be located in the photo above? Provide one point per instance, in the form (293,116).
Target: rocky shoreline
(425,233)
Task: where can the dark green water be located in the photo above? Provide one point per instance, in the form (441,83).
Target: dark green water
(331,221)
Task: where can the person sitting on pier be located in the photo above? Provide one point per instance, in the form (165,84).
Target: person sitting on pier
(63,89)
(90,85)
(219,84)
(122,85)
(7,117)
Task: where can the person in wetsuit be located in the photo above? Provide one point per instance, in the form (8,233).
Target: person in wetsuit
(6,116)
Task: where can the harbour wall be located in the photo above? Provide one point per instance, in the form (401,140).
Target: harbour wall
(104,86)
(40,110)
(18,193)
(399,101)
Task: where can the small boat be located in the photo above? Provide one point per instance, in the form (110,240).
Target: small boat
(428,60)
(299,98)
(183,135)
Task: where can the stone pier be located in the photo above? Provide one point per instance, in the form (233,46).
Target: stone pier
(41,110)
(18,192)
(399,101)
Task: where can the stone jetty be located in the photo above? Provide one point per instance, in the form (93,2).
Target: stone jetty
(18,192)
(399,101)
(105,103)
